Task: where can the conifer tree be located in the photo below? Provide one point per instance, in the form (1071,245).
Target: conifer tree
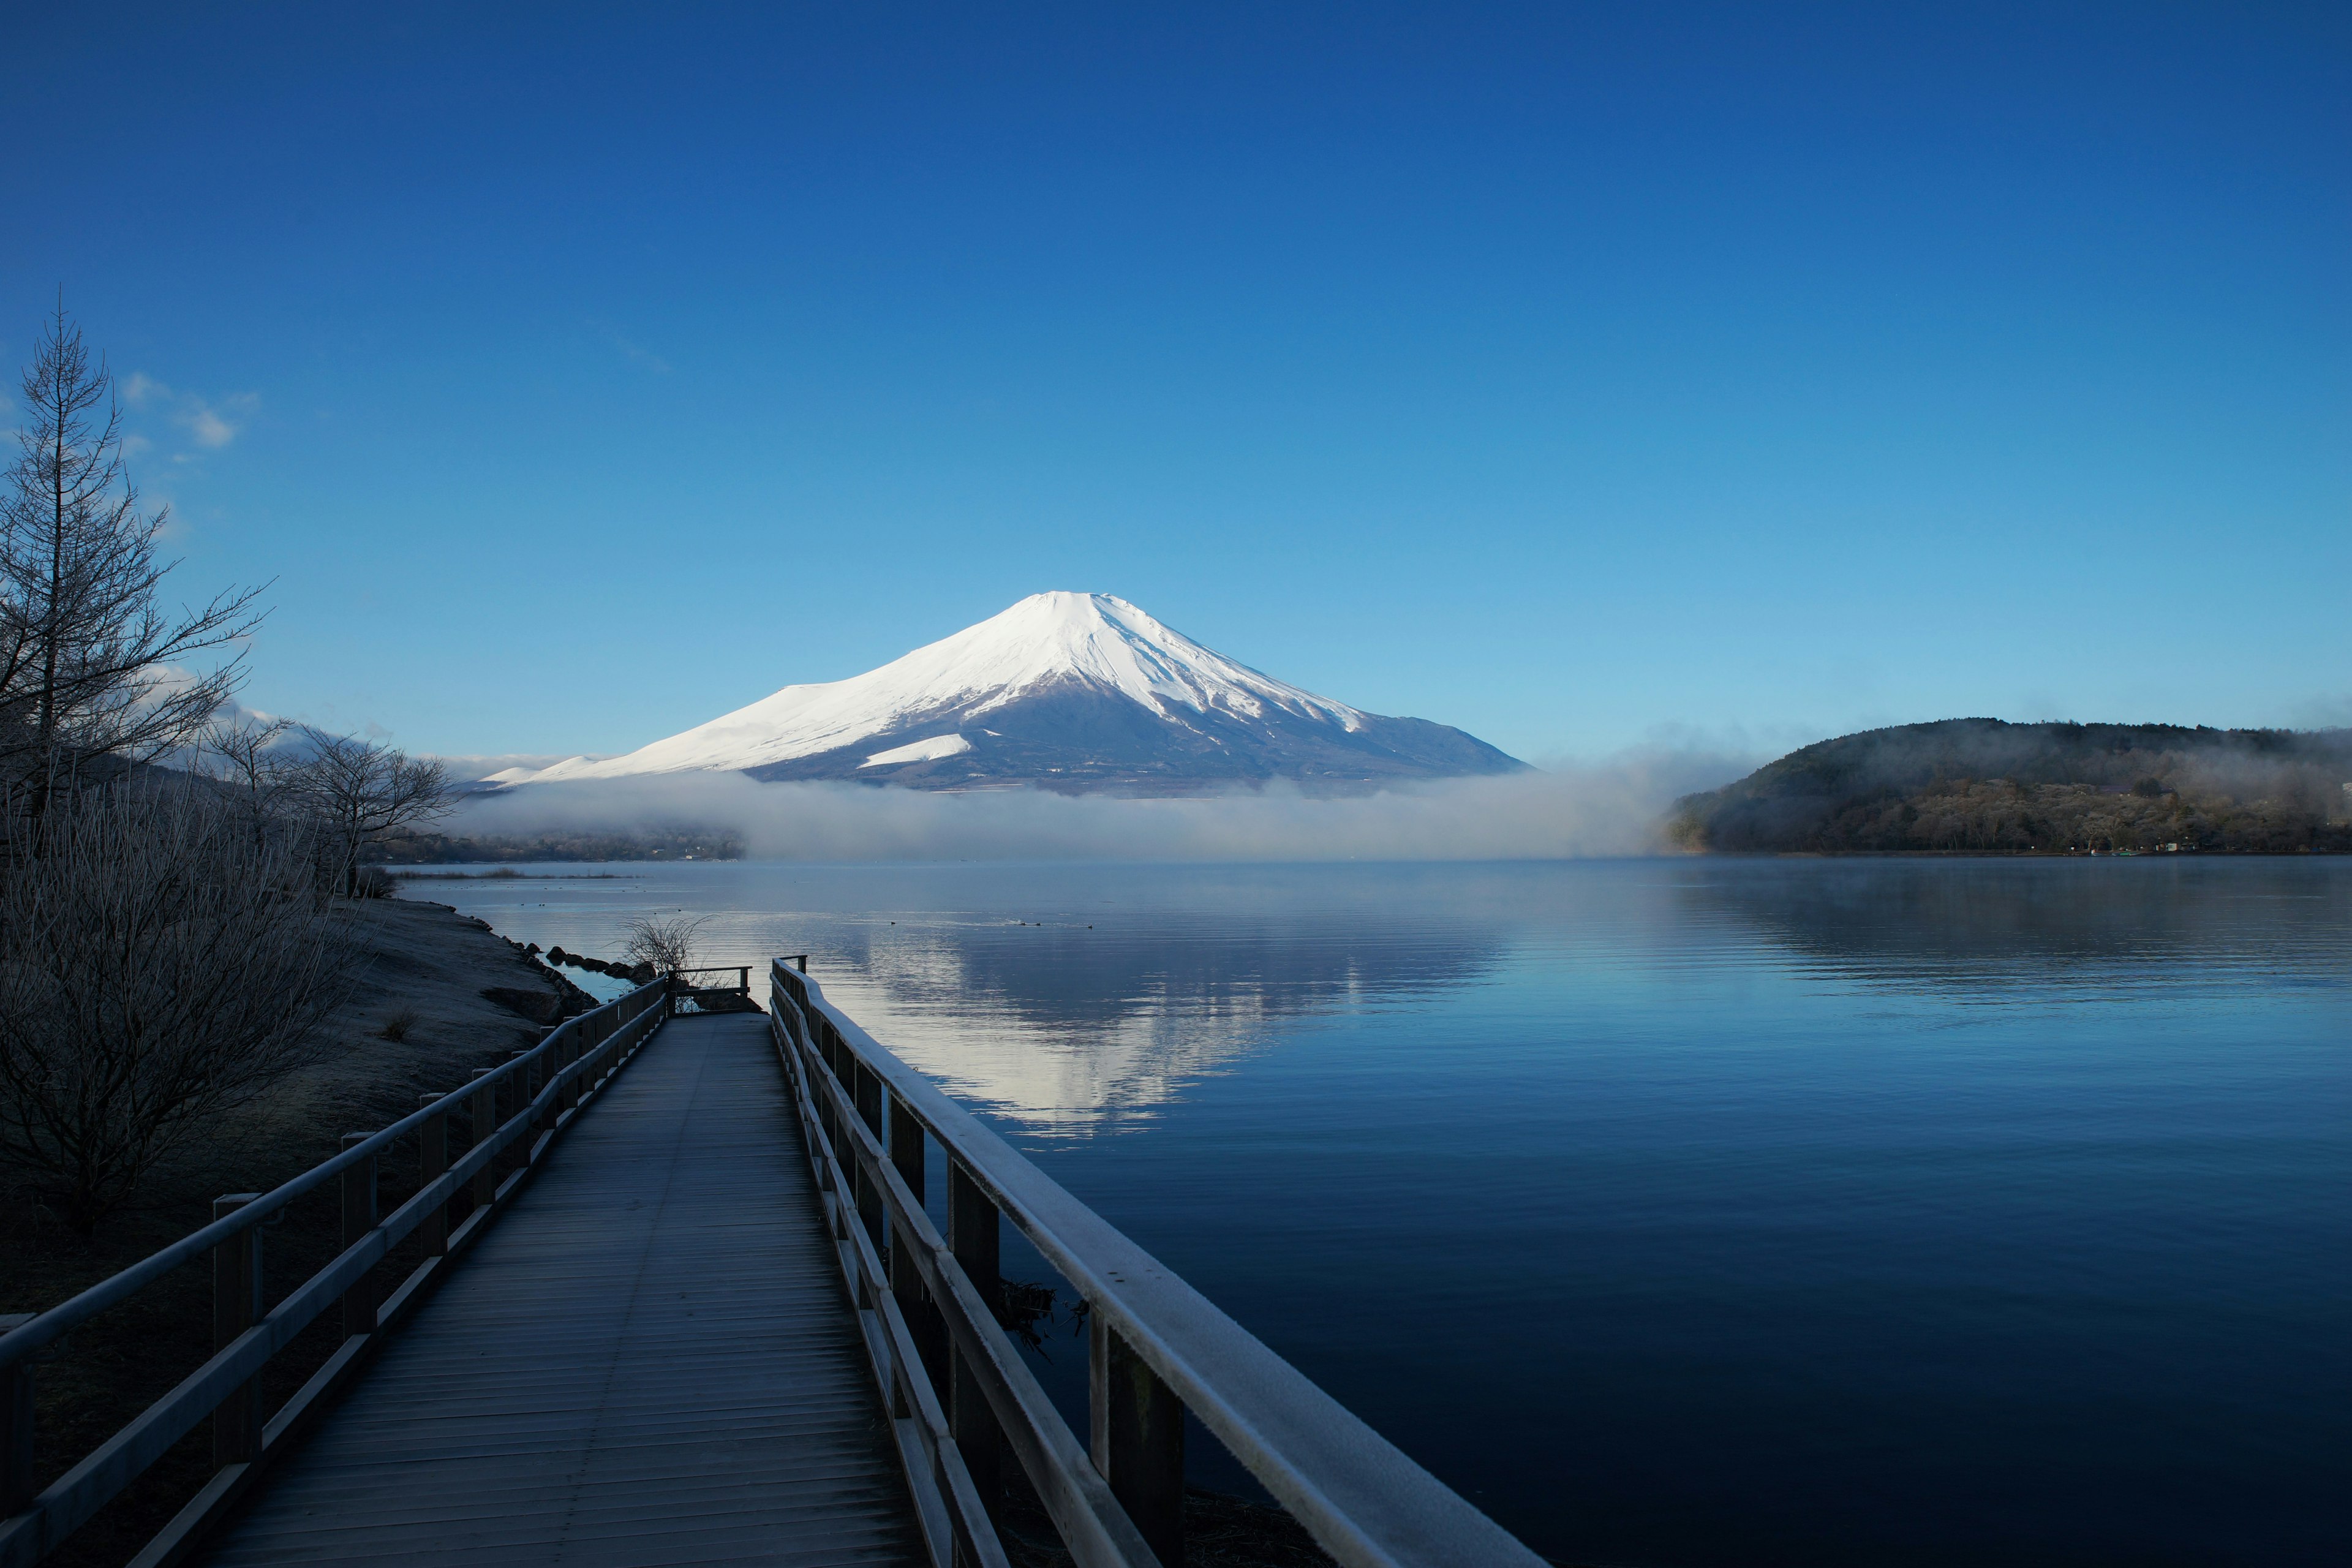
(91,668)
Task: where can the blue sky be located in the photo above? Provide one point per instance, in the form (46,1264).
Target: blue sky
(1575,376)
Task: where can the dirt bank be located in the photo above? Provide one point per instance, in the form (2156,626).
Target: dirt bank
(459,997)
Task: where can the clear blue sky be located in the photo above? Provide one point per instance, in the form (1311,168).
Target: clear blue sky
(1562,374)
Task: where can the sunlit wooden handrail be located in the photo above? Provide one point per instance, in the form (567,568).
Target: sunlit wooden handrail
(1156,1341)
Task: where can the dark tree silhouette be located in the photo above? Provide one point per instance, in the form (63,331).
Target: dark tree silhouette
(90,667)
(158,966)
(361,792)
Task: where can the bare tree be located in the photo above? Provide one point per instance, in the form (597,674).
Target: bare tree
(361,790)
(248,760)
(89,667)
(668,946)
(158,966)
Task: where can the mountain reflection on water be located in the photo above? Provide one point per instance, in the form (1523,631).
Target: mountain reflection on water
(1075,1000)
(1079,1016)
(1682,1211)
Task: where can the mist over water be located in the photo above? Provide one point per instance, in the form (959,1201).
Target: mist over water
(1682,1211)
(1569,810)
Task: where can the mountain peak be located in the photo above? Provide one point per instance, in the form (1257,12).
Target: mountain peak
(1102,639)
(1068,690)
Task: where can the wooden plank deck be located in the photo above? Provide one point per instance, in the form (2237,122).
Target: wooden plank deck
(649,1359)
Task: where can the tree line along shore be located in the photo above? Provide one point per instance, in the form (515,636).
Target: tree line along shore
(1983,786)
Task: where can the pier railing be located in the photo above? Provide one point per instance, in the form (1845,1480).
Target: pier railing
(695,991)
(542,1089)
(961,1399)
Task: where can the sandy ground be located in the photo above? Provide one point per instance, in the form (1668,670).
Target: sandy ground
(427,974)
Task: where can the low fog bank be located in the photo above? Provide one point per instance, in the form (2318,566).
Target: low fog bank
(1616,806)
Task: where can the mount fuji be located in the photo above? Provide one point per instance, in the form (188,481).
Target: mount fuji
(1070,691)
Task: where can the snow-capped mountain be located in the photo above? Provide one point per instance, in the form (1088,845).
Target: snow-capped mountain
(1069,690)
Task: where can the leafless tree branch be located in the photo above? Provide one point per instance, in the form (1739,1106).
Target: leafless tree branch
(90,664)
(158,966)
(669,945)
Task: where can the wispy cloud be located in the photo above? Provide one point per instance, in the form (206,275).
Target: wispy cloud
(217,424)
(211,423)
(631,350)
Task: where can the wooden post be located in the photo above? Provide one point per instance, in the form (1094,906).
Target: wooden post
(567,1093)
(544,1069)
(485,1118)
(432,1160)
(236,1307)
(867,1093)
(923,1319)
(1137,1426)
(973,1236)
(15,1427)
(359,1219)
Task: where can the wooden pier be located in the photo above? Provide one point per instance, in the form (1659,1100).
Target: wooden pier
(706,1318)
(646,1362)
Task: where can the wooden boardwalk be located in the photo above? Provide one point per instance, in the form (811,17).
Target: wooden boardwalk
(651,1359)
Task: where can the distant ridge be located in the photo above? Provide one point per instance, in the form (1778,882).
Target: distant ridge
(1071,691)
(1984,785)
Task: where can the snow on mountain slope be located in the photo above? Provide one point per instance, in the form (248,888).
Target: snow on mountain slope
(920,752)
(1070,690)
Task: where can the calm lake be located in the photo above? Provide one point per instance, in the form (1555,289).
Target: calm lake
(1681,1212)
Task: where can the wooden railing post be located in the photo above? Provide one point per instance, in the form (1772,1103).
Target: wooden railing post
(15,1427)
(923,1320)
(544,1071)
(1138,1431)
(567,1094)
(973,1236)
(432,1160)
(865,1092)
(827,1119)
(359,1219)
(236,1307)
(484,1115)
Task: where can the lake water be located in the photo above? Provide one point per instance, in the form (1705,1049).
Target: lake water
(1683,1212)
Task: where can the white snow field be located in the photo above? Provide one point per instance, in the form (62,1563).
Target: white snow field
(1067,691)
(1096,639)
(938,746)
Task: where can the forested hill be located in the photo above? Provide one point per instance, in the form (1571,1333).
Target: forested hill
(1982,785)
